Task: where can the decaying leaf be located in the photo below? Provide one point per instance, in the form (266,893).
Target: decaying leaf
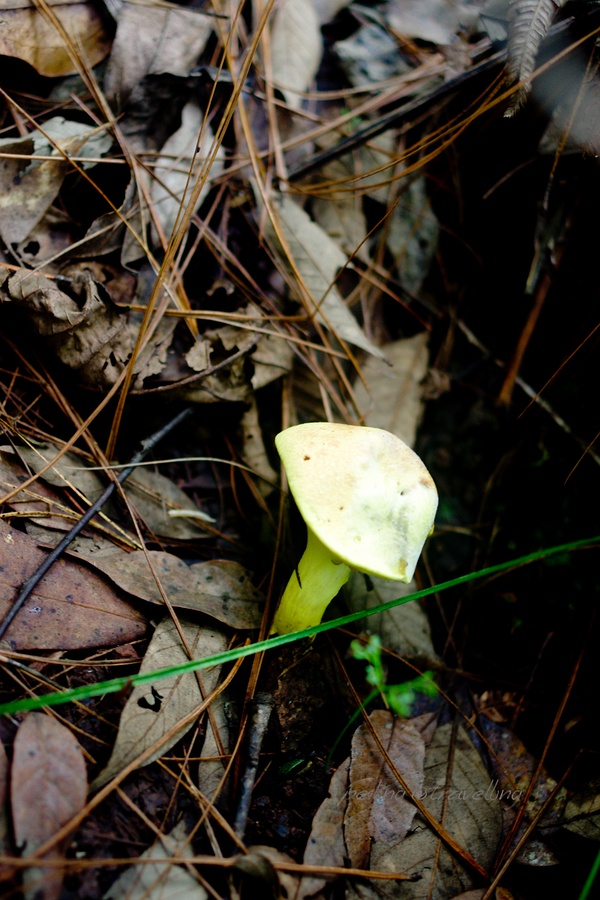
(160,880)
(296,48)
(72,607)
(154,710)
(391,396)
(185,150)
(366,806)
(28,186)
(369,820)
(211,766)
(529,22)
(221,589)
(411,234)
(458,793)
(437,21)
(318,260)
(153,38)
(28,33)
(154,497)
(325,846)
(48,788)
(90,336)
(582,813)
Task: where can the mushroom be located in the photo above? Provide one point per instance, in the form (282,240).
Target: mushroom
(368,503)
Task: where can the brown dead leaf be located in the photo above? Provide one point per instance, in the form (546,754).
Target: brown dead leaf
(582,813)
(221,589)
(160,880)
(153,39)
(28,186)
(179,166)
(48,788)
(155,496)
(391,396)
(72,607)
(457,790)
(325,846)
(153,710)
(28,33)
(377,810)
(366,806)
(92,337)
(38,498)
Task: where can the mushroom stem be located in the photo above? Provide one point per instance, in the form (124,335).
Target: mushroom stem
(311,588)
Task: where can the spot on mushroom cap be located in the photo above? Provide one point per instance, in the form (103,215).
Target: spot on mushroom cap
(363,492)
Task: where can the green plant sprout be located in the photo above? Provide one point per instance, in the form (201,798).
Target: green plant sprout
(399,697)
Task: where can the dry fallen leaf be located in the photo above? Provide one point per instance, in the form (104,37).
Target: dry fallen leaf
(5,842)
(28,33)
(89,335)
(296,48)
(71,608)
(366,807)
(582,813)
(457,791)
(160,880)
(28,186)
(153,38)
(153,710)
(221,589)
(185,150)
(153,495)
(48,788)
(318,260)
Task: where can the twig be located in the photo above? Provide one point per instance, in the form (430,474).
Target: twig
(37,576)
(261,708)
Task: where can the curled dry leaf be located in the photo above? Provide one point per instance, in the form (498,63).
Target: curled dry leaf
(28,33)
(71,608)
(160,880)
(90,336)
(153,711)
(48,788)
(221,589)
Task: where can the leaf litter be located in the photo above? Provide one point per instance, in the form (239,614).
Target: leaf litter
(141,258)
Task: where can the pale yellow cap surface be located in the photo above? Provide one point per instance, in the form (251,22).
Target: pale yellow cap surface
(363,492)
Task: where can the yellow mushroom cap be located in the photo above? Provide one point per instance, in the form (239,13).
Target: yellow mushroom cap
(364,494)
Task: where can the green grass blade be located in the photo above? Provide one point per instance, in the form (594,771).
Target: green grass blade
(119,684)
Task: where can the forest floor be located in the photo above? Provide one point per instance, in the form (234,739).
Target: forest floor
(251,217)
